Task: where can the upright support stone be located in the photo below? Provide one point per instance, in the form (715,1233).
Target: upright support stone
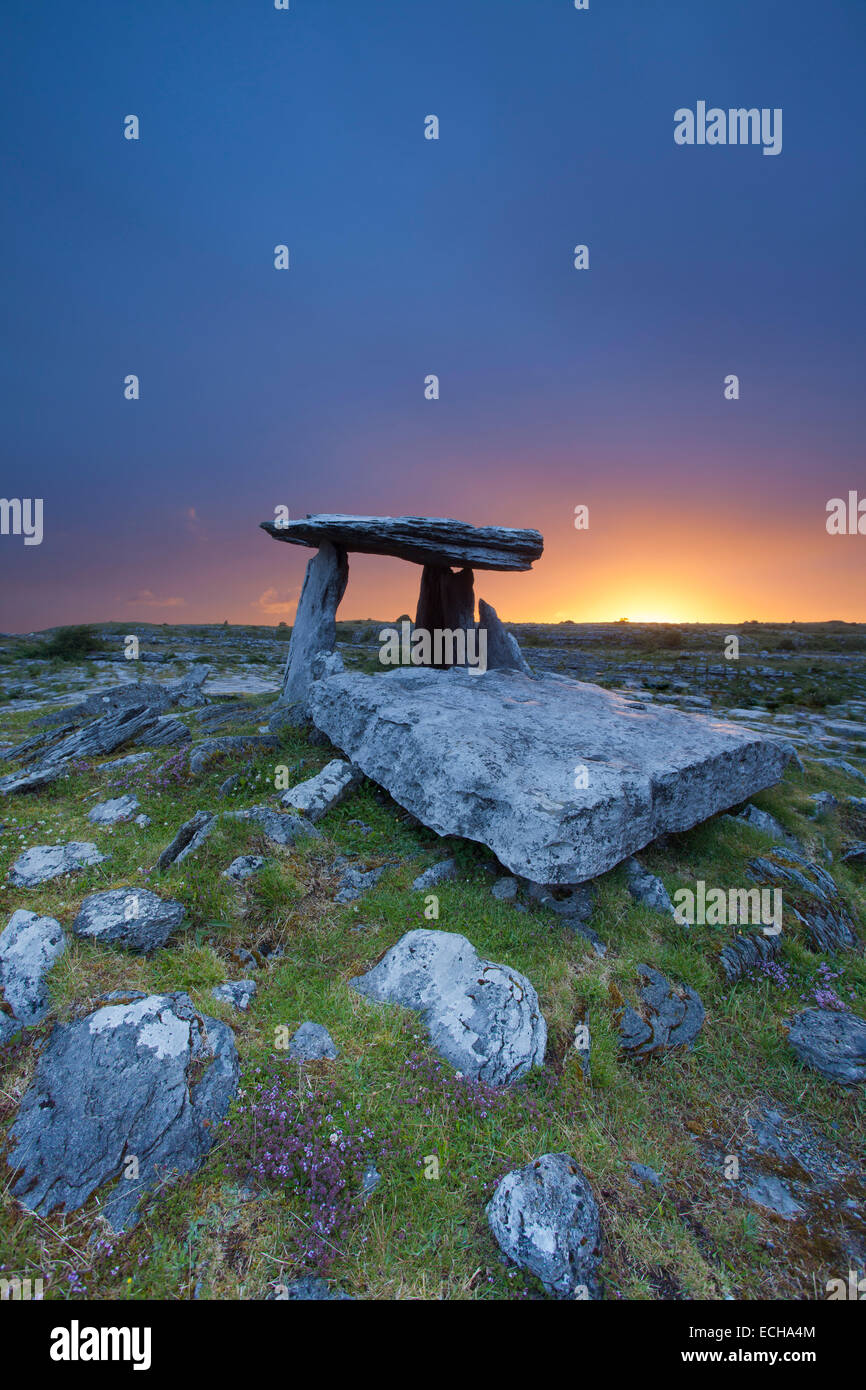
(446,600)
(315,628)
(503,650)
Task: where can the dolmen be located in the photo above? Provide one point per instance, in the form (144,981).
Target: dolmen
(561,779)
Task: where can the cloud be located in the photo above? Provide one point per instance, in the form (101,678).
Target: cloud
(270,602)
(147,599)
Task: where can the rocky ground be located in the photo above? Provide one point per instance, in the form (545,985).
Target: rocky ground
(262,1037)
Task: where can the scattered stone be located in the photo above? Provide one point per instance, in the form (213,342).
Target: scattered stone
(238,993)
(824,801)
(42,862)
(767,824)
(142,821)
(840,765)
(167,733)
(646,889)
(320,794)
(131,760)
(118,808)
(115,1083)
(544,1217)
(673,1015)
(811,894)
(312,1043)
(30,781)
(370,1181)
(354,882)
(102,736)
(443,872)
(29,946)
(244,867)
(505,889)
(189,838)
(227,787)
(134,918)
(210,749)
(278,827)
(642,1174)
(746,951)
(770,1192)
(483,1018)
(854,853)
(833,1042)
(652,770)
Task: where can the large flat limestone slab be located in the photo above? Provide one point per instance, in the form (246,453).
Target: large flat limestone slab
(425,540)
(492,758)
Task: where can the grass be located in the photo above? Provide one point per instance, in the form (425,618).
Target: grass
(418,1236)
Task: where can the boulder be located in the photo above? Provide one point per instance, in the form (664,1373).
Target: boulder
(191,835)
(503,652)
(646,889)
(312,1043)
(43,862)
(117,808)
(506,781)
(320,794)
(831,1041)
(483,1018)
(671,1016)
(29,946)
(134,918)
(355,881)
(238,993)
(30,781)
(811,894)
(443,872)
(545,1218)
(276,826)
(117,1085)
(244,867)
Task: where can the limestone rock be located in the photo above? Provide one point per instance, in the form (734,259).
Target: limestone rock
(672,1016)
(507,780)
(355,881)
(503,651)
(238,993)
(131,917)
(191,835)
(425,540)
(29,946)
(118,808)
(42,862)
(210,749)
(312,1043)
(484,1018)
(833,1042)
(244,867)
(646,889)
(811,894)
(320,794)
(276,826)
(314,629)
(545,1218)
(118,1083)
(443,872)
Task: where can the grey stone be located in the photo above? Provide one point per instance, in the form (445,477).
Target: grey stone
(142,821)
(189,838)
(767,824)
(506,782)
(210,749)
(483,1018)
(854,853)
(227,787)
(131,917)
(641,1173)
(310,1289)
(166,733)
(118,808)
(104,735)
(840,765)
(503,651)
(443,872)
(833,1042)
(505,889)
(673,1015)
(29,946)
(824,801)
(244,867)
(811,894)
(748,950)
(769,1192)
(115,1084)
(320,794)
(42,862)
(238,993)
(278,827)
(425,540)
(545,1218)
(646,889)
(354,882)
(312,1043)
(314,629)
(32,781)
